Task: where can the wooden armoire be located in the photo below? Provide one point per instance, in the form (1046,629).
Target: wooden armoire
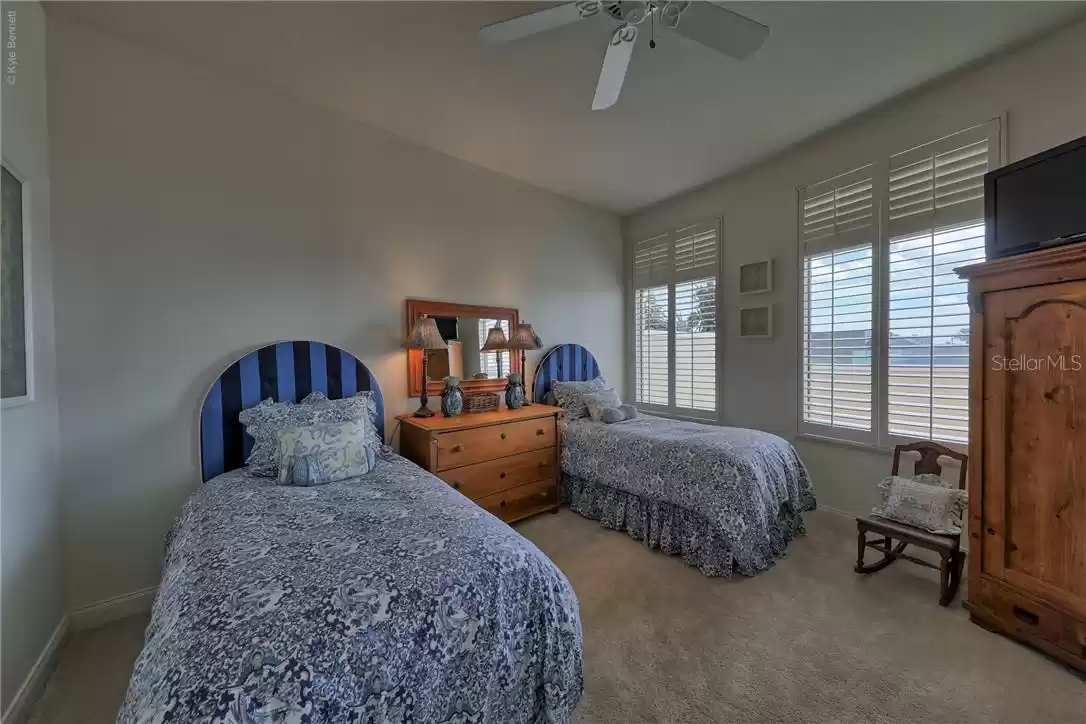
(1027,448)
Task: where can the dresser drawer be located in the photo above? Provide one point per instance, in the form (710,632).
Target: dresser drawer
(1025,615)
(465,447)
(521,501)
(481,479)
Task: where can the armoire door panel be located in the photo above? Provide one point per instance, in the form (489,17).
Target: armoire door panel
(1035,427)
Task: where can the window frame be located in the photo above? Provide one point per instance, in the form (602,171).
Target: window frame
(671,410)
(879,436)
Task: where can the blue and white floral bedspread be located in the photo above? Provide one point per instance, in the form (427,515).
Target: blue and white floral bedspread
(389,598)
(741,491)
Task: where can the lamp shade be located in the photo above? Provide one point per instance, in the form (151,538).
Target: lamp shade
(424,335)
(495,340)
(524,337)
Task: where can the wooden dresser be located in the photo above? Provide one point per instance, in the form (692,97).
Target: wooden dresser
(506,461)
(1027,484)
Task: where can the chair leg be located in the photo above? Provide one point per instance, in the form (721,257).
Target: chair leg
(887,558)
(948,578)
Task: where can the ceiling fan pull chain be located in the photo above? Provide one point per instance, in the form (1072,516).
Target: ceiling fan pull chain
(652,32)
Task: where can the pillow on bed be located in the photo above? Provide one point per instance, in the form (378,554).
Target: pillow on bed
(264,421)
(324,453)
(597,402)
(570,396)
(934,508)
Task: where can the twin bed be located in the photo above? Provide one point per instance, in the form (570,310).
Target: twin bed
(387,598)
(391,597)
(726,499)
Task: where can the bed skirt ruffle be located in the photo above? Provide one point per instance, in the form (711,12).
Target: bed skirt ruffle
(680,532)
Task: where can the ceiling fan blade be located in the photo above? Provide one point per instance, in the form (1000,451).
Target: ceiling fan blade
(722,30)
(615,63)
(538,22)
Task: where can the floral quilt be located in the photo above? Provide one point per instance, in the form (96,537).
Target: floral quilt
(726,499)
(386,598)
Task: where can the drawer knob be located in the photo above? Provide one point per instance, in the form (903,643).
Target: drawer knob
(503,436)
(501,504)
(501,475)
(456,485)
(541,464)
(457,448)
(540,431)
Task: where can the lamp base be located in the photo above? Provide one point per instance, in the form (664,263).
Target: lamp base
(424,411)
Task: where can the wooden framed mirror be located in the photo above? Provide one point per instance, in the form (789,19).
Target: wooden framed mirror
(464,328)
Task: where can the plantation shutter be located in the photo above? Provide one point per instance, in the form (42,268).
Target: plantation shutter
(697,263)
(936,224)
(838,212)
(838,229)
(941,184)
(675,319)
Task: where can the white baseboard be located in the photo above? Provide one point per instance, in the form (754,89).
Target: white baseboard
(112,609)
(29,693)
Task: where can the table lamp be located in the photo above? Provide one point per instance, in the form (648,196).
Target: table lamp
(525,338)
(496,342)
(424,335)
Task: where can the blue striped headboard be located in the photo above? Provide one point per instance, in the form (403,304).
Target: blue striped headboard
(285,371)
(565,363)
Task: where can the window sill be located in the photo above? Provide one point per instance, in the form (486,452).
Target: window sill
(869,447)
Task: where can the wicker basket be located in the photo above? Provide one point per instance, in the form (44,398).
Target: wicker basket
(481,402)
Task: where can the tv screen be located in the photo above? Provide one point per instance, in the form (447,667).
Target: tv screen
(1038,202)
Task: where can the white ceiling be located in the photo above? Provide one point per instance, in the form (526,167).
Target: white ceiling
(686,115)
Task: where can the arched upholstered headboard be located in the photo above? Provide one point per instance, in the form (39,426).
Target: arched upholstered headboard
(565,363)
(285,371)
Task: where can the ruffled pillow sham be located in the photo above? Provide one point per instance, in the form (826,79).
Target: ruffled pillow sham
(935,508)
(570,396)
(265,421)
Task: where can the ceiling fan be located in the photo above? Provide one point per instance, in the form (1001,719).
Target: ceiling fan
(703,22)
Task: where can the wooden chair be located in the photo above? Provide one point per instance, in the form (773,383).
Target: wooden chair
(952,558)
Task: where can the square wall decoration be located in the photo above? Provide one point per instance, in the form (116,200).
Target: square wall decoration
(14,377)
(756,322)
(756,278)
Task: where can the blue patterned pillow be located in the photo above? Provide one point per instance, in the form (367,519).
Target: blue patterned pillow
(324,453)
(266,420)
(597,402)
(570,396)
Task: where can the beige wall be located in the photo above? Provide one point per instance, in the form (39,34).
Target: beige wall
(1041,88)
(33,602)
(196,218)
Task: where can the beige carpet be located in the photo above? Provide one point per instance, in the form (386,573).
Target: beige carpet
(808,641)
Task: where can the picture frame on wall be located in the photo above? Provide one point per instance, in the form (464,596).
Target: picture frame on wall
(756,322)
(756,277)
(16,370)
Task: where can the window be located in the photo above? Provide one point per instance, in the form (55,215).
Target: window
(885,318)
(489,361)
(675,321)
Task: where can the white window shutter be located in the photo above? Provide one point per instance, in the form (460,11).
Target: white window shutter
(941,184)
(838,325)
(838,213)
(651,353)
(697,252)
(653,260)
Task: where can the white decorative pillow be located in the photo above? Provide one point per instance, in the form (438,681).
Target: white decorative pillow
(934,508)
(570,396)
(324,453)
(597,402)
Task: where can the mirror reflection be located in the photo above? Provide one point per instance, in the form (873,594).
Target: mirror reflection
(466,357)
